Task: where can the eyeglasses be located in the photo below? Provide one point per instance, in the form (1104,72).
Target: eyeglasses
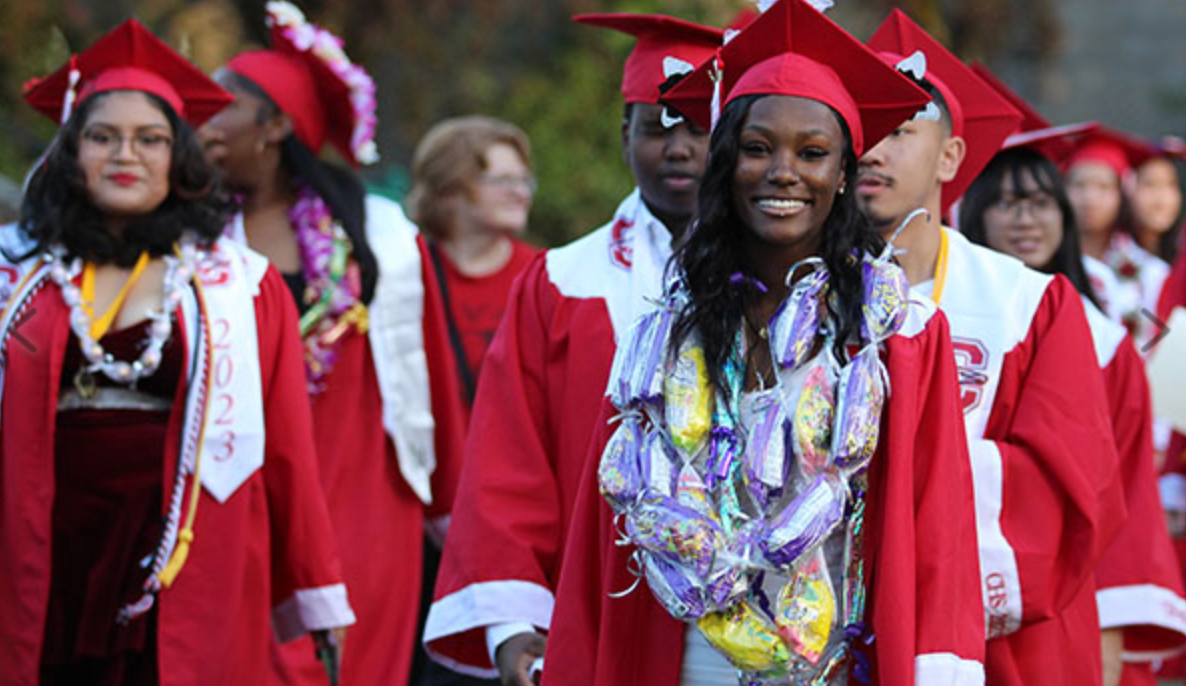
(143,144)
(1038,204)
(510,181)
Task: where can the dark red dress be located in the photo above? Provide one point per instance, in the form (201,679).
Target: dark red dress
(108,468)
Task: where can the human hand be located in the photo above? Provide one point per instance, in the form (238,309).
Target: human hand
(1111,646)
(330,644)
(1175,520)
(515,657)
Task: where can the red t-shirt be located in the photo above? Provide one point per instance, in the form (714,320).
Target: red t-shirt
(476,304)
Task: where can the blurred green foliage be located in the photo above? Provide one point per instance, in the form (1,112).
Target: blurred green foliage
(521,60)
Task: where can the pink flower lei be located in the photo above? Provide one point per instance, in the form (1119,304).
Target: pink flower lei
(328,48)
(333,285)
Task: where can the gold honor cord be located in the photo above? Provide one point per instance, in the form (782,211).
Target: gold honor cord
(100,326)
(940,268)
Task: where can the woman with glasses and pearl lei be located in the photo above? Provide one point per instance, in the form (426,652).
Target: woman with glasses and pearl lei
(159,506)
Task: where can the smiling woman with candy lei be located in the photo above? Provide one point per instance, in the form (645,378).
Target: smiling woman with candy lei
(386,406)
(786,464)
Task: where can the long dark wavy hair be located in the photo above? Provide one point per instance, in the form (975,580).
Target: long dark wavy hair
(57,207)
(712,251)
(1014,164)
(337,186)
(1169,242)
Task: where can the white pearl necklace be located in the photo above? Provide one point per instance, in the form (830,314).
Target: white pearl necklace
(178,272)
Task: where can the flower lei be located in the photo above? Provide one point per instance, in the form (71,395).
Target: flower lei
(327,47)
(333,285)
(704,554)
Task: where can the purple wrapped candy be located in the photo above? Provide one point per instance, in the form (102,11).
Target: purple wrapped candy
(661,526)
(805,522)
(728,581)
(620,473)
(766,451)
(638,368)
(626,361)
(652,372)
(886,295)
(658,465)
(797,322)
(675,588)
(812,426)
(858,410)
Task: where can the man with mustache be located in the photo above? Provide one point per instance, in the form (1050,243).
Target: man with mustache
(1048,494)
(545,374)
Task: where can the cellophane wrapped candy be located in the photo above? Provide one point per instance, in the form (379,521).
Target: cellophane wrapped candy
(687,397)
(860,397)
(812,423)
(745,638)
(675,588)
(691,492)
(797,322)
(663,527)
(657,464)
(806,609)
(638,368)
(728,581)
(766,451)
(805,522)
(620,472)
(886,295)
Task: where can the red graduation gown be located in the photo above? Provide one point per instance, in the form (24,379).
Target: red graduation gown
(377,517)
(1138,583)
(269,544)
(1048,489)
(534,417)
(924,605)
(1173,294)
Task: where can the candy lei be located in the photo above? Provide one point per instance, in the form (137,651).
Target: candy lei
(332,285)
(707,537)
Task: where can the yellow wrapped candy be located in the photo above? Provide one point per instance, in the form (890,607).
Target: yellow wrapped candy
(807,610)
(812,426)
(746,638)
(688,399)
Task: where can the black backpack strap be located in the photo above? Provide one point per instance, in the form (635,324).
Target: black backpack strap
(468,382)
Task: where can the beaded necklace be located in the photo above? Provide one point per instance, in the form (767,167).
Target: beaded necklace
(178,273)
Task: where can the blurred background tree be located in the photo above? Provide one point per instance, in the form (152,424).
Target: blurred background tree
(525,61)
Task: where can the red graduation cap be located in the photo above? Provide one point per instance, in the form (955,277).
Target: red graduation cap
(1031,120)
(1055,142)
(129,57)
(1108,146)
(666,47)
(1035,131)
(310,78)
(979,114)
(793,49)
